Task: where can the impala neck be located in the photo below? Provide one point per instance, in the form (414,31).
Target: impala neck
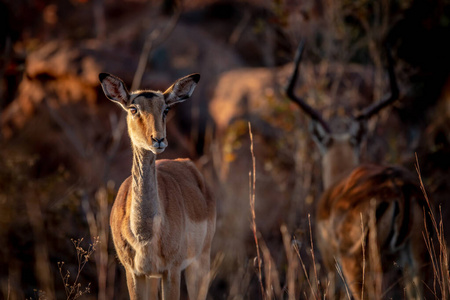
(145,201)
(338,161)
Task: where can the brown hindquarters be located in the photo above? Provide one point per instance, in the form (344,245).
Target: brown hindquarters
(397,196)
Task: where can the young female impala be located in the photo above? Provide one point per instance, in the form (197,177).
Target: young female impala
(163,219)
(384,201)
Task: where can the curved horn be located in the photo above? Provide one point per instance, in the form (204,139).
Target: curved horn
(395,93)
(300,102)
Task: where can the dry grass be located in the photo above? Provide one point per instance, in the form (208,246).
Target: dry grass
(74,289)
(284,282)
(270,285)
(294,273)
(439,260)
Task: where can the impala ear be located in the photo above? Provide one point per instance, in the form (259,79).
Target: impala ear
(181,90)
(114,89)
(320,135)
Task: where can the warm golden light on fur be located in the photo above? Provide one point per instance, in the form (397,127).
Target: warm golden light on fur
(163,218)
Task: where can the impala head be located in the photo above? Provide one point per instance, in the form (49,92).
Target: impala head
(340,143)
(146,109)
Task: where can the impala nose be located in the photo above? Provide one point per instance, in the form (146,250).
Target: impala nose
(158,141)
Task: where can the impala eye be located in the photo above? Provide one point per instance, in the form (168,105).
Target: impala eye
(166,111)
(133,110)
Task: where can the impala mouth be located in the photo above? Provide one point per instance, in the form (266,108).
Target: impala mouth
(158,150)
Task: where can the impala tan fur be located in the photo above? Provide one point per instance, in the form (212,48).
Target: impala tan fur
(163,218)
(380,206)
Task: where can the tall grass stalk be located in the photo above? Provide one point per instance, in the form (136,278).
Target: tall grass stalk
(315,290)
(99,227)
(252,188)
(363,247)
(439,261)
(292,265)
(341,274)
(312,253)
(41,250)
(273,289)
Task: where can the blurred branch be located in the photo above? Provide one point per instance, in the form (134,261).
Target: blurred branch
(4,62)
(153,40)
(68,131)
(99,18)
(237,32)
(118,128)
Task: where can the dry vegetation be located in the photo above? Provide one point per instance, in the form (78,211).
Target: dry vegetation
(64,151)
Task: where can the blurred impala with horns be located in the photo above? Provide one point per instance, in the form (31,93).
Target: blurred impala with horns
(370,215)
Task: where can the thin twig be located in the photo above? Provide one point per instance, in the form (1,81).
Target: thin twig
(239,29)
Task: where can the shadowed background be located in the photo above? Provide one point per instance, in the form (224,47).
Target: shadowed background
(65,151)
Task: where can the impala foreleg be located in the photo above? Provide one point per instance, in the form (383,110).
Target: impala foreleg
(137,286)
(170,281)
(197,277)
(153,285)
